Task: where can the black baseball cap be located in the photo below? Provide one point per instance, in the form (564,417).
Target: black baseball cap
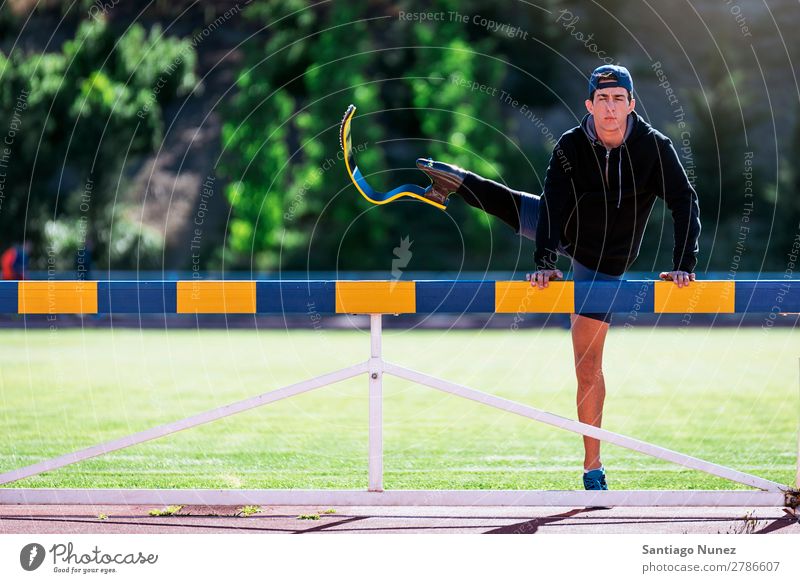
(610,76)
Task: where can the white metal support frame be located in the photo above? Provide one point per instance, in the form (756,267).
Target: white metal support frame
(768,493)
(375,405)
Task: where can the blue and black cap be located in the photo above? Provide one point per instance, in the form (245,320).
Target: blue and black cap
(610,76)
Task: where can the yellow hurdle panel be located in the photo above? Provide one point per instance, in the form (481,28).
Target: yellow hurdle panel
(513,297)
(216,297)
(376,297)
(708,297)
(57,297)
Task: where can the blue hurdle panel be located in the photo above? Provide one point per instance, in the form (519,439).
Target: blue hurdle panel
(623,296)
(293,297)
(137,297)
(455,296)
(768,296)
(8,297)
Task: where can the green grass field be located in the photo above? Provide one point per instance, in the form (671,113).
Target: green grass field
(730,396)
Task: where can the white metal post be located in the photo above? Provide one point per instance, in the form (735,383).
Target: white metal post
(336,498)
(375,405)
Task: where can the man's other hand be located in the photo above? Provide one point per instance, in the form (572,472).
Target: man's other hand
(543,276)
(681,278)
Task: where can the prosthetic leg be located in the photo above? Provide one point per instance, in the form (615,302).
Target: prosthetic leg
(444,178)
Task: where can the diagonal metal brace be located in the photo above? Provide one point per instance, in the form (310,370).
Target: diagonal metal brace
(583,429)
(195,420)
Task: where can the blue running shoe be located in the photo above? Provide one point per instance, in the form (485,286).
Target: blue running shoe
(595,479)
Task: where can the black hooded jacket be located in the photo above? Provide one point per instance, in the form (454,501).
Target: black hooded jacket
(596,202)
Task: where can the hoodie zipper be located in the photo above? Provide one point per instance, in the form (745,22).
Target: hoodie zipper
(592,136)
(619,175)
(608,183)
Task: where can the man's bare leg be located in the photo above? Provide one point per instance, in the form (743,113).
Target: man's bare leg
(588,339)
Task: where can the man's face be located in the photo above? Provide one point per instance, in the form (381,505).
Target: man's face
(610,109)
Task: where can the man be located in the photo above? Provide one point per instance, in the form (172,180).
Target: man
(14,261)
(601,184)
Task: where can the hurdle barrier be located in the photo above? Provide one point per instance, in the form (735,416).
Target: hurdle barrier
(376,299)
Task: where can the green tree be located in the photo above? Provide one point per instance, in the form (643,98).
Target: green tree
(77,116)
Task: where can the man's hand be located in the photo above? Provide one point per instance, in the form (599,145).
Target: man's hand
(543,276)
(681,278)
